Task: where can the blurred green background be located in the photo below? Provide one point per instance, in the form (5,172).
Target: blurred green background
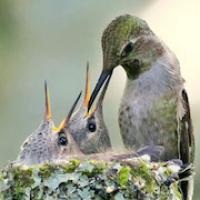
(52,40)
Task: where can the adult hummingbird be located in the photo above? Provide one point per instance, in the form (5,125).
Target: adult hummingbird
(154,108)
(47,142)
(88,127)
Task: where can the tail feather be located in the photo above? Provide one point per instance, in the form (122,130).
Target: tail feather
(186,184)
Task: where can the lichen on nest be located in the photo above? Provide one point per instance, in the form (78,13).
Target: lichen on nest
(90,179)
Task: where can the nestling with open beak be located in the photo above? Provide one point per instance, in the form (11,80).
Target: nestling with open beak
(48,143)
(154,109)
(88,127)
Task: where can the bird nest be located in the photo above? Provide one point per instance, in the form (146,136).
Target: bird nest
(92,179)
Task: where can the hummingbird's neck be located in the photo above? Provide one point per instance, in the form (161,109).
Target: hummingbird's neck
(162,77)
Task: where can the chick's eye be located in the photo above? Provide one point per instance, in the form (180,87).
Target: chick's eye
(63,140)
(92,126)
(127,49)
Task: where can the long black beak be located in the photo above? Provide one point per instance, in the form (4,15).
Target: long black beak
(72,108)
(102,95)
(103,77)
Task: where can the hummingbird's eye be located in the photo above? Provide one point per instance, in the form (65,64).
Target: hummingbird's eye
(127,49)
(92,126)
(62,140)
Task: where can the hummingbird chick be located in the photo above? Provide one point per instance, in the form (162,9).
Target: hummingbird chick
(47,142)
(88,127)
(67,146)
(154,108)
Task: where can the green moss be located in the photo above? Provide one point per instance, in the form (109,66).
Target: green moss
(46,170)
(167,172)
(144,172)
(18,193)
(123,176)
(22,177)
(99,166)
(73,164)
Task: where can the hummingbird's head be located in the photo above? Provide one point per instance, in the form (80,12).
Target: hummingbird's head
(129,42)
(116,37)
(65,143)
(35,148)
(87,126)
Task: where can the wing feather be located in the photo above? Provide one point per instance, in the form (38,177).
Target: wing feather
(186,132)
(187,145)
